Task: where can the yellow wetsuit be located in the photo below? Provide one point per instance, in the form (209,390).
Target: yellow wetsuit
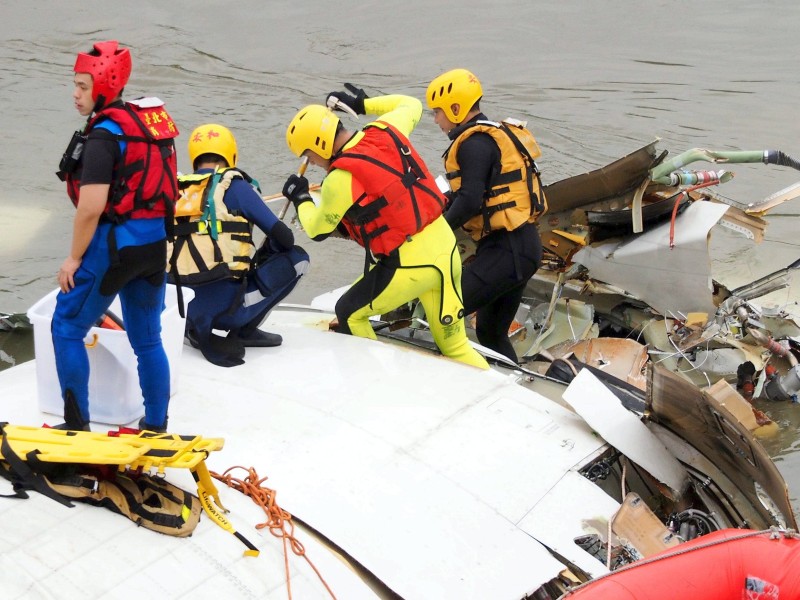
(426,266)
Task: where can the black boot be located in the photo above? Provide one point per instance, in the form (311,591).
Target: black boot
(144,426)
(73,427)
(255,338)
(250,336)
(218,350)
(73,419)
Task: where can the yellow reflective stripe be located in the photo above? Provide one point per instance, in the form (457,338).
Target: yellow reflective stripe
(203,228)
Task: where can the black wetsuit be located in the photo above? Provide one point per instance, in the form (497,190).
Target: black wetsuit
(494,281)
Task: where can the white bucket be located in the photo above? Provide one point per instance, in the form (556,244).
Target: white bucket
(115,397)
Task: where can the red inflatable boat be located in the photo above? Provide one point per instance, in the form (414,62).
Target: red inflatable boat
(723,565)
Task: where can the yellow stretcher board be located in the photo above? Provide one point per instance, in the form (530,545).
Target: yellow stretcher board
(146,449)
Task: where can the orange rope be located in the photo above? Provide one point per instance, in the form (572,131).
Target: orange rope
(278,520)
(678,198)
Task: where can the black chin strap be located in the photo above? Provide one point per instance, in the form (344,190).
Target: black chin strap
(99,103)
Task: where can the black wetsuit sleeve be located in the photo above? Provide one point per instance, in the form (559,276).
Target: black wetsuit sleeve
(477,157)
(100,154)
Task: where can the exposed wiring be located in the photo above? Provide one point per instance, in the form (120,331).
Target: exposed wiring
(569,321)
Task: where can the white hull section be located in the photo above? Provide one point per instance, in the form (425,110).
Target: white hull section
(433,475)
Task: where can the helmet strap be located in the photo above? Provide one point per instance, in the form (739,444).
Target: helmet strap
(98,105)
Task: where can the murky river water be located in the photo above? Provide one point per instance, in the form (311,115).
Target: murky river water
(595,80)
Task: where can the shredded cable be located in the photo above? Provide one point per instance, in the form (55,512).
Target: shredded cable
(569,322)
(682,354)
(279,522)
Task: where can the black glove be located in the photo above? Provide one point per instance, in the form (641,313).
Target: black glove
(355,102)
(296,190)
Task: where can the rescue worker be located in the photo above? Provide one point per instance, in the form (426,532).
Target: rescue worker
(496,196)
(213,254)
(121,175)
(381,193)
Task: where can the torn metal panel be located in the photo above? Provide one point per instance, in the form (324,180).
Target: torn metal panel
(776,199)
(751,227)
(601,409)
(618,177)
(724,393)
(572,508)
(623,358)
(637,525)
(676,279)
(696,417)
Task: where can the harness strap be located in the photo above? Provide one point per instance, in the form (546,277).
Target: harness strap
(488,211)
(410,175)
(21,475)
(154,493)
(165,143)
(361,215)
(407,161)
(413,173)
(506,178)
(173,261)
(537,204)
(238,298)
(166,150)
(186,229)
(516,250)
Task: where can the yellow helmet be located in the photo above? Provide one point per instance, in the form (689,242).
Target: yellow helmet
(213,139)
(458,86)
(313,128)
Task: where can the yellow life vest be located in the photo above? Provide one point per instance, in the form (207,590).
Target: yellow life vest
(515,195)
(209,243)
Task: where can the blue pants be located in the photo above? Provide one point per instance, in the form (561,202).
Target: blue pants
(140,280)
(243,305)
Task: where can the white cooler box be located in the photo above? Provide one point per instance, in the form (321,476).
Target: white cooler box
(115,397)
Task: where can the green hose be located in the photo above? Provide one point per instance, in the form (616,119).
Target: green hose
(664,173)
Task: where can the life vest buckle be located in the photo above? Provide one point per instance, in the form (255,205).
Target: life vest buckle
(409,179)
(205,228)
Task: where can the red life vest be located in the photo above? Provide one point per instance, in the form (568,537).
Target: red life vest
(400,196)
(145,184)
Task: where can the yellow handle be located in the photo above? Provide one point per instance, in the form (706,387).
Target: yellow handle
(303,166)
(209,500)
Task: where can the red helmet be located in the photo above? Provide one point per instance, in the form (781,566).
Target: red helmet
(110,67)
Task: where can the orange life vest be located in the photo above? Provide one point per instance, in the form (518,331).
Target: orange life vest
(514,195)
(400,195)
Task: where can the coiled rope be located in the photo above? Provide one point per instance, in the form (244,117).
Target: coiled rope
(279,521)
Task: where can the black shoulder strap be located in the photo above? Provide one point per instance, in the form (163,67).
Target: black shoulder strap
(519,146)
(533,170)
(21,475)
